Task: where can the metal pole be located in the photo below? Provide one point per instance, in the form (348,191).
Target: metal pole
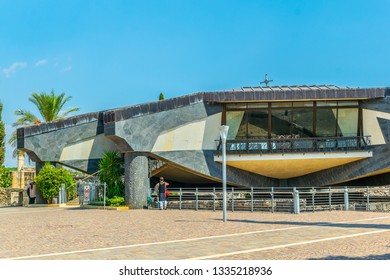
(296,201)
(104,194)
(312,198)
(223,130)
(59,196)
(232,199)
(330,199)
(368,199)
(224,179)
(272,200)
(346,199)
(196,201)
(180,199)
(252,199)
(214,199)
(63,193)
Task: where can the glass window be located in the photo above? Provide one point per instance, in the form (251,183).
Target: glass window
(257,105)
(302,123)
(327,103)
(326,123)
(281,123)
(348,103)
(303,104)
(237,124)
(281,104)
(347,122)
(292,119)
(236,106)
(258,124)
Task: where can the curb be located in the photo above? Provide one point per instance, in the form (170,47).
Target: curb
(64,205)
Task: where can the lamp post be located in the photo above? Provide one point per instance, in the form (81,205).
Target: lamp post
(223,131)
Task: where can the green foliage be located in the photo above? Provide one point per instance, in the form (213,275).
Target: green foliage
(111,172)
(116,201)
(161,96)
(49,107)
(2,136)
(49,180)
(5,177)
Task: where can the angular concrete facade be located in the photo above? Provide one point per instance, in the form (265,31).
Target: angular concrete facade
(182,135)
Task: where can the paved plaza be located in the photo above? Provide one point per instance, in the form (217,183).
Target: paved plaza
(93,234)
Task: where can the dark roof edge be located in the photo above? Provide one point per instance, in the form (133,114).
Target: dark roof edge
(294,93)
(59,124)
(156,106)
(255,94)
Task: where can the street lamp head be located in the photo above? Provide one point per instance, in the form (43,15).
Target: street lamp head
(223,131)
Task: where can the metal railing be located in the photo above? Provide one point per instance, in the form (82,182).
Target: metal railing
(271,199)
(285,144)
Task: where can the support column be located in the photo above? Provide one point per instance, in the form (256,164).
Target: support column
(137,181)
(20,172)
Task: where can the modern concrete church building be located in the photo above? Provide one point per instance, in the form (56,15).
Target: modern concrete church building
(287,136)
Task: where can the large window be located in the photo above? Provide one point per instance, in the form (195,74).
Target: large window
(292,119)
(346,121)
(257,124)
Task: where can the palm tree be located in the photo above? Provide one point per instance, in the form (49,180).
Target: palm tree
(49,107)
(111,172)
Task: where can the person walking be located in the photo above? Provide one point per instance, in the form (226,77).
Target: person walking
(32,193)
(161,190)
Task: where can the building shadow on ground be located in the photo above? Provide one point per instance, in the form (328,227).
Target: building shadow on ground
(323,224)
(369,257)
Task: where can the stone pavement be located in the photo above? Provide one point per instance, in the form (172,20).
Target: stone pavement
(75,233)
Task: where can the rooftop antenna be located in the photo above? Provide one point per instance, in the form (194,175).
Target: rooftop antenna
(266,81)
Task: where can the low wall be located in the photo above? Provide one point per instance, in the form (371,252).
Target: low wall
(13,197)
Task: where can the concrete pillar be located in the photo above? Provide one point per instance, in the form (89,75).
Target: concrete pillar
(20,160)
(20,173)
(136,180)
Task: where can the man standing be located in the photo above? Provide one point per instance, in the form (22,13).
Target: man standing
(161,189)
(32,193)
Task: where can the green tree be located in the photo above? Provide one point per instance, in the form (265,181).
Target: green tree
(5,177)
(111,172)
(161,97)
(49,107)
(2,136)
(50,178)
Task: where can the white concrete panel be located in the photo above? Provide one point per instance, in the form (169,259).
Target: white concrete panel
(187,137)
(193,136)
(92,148)
(371,126)
(211,132)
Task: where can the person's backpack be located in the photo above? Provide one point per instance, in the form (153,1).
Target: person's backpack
(28,191)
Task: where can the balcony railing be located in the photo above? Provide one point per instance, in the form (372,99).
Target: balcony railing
(295,145)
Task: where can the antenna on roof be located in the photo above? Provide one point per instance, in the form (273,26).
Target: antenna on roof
(266,81)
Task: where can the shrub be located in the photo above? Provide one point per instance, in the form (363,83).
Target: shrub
(49,180)
(5,177)
(116,201)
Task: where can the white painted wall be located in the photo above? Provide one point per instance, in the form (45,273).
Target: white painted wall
(92,148)
(193,136)
(371,126)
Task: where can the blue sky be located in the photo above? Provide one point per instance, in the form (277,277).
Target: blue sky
(109,54)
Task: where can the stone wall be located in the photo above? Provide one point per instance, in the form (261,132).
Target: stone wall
(13,197)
